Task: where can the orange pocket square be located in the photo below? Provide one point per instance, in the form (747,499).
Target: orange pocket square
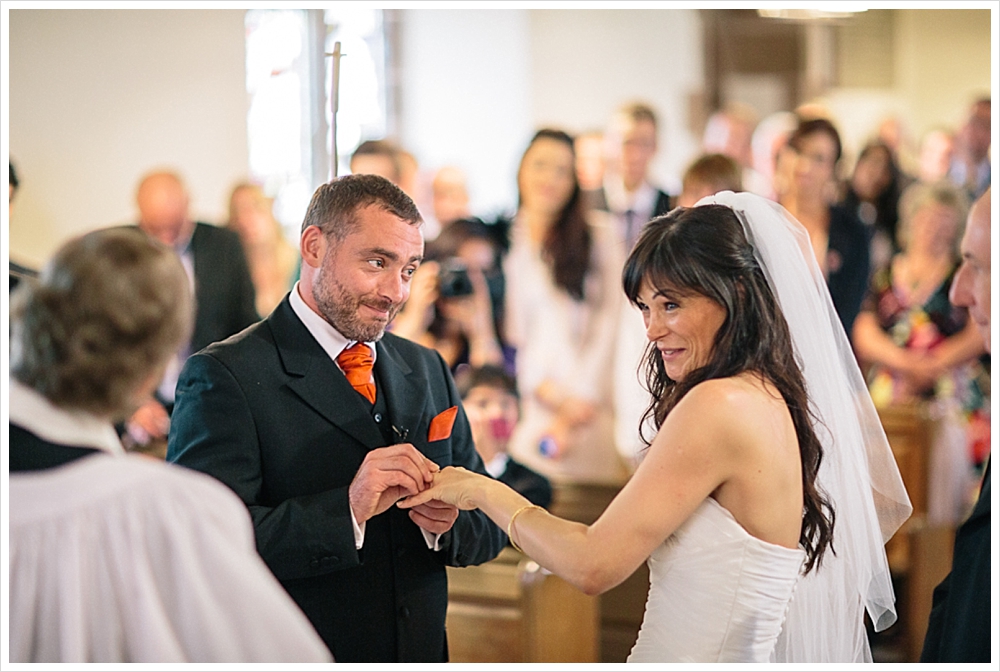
(441,425)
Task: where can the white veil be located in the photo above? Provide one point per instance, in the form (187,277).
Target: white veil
(858,474)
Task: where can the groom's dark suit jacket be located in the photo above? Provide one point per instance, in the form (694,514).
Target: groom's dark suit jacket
(269,414)
(959,630)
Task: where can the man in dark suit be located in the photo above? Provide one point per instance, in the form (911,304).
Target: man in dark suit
(320,442)
(631,141)
(960,630)
(223,290)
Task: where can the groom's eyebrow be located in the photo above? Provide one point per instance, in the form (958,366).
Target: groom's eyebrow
(389,254)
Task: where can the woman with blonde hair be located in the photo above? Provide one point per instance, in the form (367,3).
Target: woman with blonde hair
(919,348)
(272,259)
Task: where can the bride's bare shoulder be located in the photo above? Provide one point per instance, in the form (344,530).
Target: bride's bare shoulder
(745,389)
(738,404)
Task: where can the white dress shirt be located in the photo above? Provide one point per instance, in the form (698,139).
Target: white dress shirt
(637,205)
(333,343)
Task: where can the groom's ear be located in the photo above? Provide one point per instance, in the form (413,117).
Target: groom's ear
(313,245)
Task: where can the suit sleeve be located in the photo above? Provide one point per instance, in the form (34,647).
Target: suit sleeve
(213,431)
(474,538)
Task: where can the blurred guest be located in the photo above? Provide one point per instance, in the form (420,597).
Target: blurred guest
(273,260)
(629,193)
(709,174)
(409,172)
(224,297)
(921,347)
(589,147)
(456,298)
(959,629)
(118,558)
(16,272)
(450,195)
(840,241)
(936,151)
(970,166)
(491,402)
(729,131)
(377,157)
(563,304)
(767,142)
(873,196)
(893,132)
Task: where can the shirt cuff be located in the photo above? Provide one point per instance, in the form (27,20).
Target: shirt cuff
(359,531)
(433,540)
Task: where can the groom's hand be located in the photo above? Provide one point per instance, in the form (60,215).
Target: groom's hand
(435,516)
(387,475)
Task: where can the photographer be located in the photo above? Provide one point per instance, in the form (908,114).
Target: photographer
(456,296)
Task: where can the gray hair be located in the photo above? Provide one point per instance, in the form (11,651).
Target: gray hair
(919,195)
(103,317)
(334,205)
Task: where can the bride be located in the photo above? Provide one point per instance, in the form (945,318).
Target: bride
(763,501)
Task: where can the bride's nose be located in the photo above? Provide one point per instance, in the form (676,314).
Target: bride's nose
(656,327)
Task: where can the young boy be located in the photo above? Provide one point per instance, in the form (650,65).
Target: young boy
(492,405)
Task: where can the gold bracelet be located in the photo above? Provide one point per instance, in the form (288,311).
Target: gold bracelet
(510,524)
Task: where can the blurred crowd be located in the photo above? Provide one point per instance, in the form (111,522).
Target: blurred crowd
(535,293)
(527,308)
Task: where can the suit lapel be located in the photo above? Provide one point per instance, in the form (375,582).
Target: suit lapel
(405,396)
(317,380)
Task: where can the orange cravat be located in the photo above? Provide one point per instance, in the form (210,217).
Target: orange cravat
(356,362)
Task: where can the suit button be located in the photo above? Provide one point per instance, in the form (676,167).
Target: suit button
(404,612)
(334,559)
(314,563)
(378,417)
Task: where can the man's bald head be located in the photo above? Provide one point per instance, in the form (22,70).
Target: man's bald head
(163,207)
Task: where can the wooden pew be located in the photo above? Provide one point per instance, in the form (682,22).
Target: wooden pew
(622,607)
(919,554)
(510,610)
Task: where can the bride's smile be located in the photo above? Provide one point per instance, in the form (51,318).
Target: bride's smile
(681,325)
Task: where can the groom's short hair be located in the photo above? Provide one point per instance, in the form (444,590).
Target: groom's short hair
(334,205)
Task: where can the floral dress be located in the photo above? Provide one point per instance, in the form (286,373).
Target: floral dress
(960,399)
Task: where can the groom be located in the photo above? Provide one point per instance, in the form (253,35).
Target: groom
(959,630)
(320,422)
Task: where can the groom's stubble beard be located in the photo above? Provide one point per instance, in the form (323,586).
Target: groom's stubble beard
(341,308)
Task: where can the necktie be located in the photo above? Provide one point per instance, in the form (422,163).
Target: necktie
(356,362)
(630,232)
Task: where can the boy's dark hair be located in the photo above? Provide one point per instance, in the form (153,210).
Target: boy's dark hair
(486,376)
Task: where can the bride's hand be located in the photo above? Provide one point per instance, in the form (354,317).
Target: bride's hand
(453,485)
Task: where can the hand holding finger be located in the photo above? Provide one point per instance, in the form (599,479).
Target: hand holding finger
(404,457)
(453,486)
(436,518)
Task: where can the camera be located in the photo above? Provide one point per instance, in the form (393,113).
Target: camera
(453,279)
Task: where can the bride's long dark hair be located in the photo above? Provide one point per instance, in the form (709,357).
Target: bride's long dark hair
(704,250)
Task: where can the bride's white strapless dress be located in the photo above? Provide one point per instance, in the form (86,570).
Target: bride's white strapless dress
(716,593)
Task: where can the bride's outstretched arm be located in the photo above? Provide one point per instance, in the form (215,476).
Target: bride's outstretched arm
(534,530)
(696,450)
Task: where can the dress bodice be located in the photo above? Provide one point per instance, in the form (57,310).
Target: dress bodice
(716,594)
